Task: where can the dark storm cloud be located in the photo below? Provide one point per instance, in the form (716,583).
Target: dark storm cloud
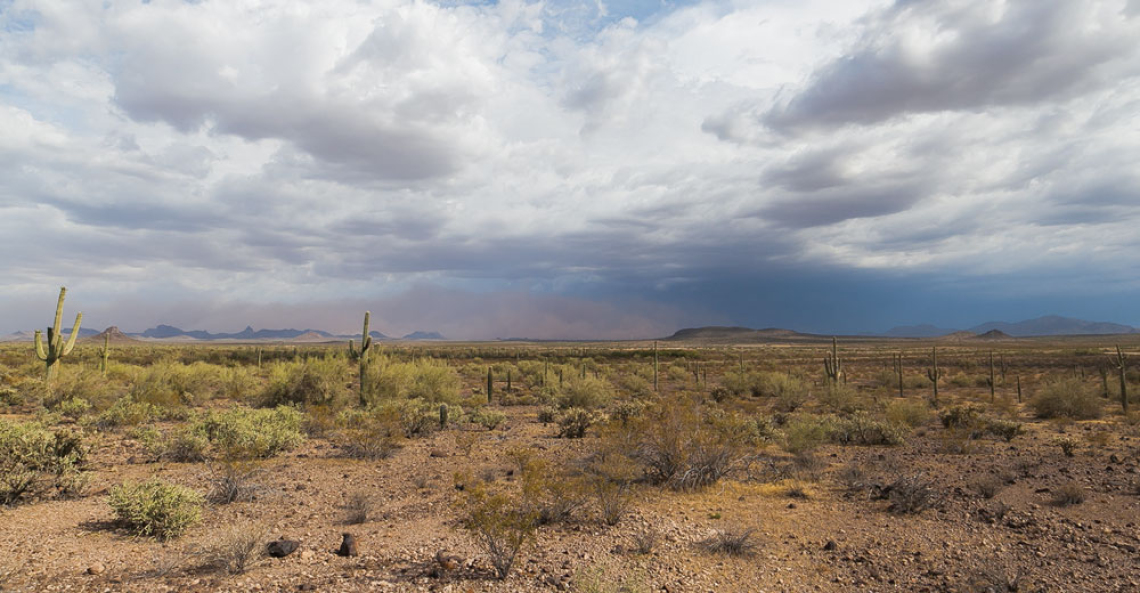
(830,207)
(1030,53)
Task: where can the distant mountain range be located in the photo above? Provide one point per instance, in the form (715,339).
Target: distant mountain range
(171,333)
(1050,325)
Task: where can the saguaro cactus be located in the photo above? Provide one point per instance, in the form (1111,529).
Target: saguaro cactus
(1122,367)
(104,354)
(655,366)
(56,348)
(443,413)
(933,373)
(898,367)
(490,384)
(991,380)
(361,356)
(833,364)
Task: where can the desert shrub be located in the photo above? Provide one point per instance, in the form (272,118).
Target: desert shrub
(840,399)
(35,461)
(912,413)
(170,385)
(373,434)
(359,507)
(679,447)
(487,418)
(988,486)
(233,480)
(573,423)
(610,478)
(644,542)
(80,384)
(588,393)
(1067,398)
(424,379)
(634,385)
(155,507)
(183,444)
(126,412)
(253,433)
(1069,494)
(547,415)
(73,408)
(734,541)
(552,497)
(1068,445)
(1007,430)
(627,410)
(960,416)
(416,417)
(234,548)
(503,524)
(315,381)
(804,433)
(910,495)
(861,429)
(993,579)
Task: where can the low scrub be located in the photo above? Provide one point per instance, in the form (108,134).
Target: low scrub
(1068,398)
(156,508)
(35,461)
(246,433)
(680,446)
(312,382)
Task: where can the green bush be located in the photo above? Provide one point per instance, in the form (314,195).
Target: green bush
(573,423)
(960,416)
(371,434)
(155,507)
(253,433)
(316,381)
(487,418)
(861,429)
(126,412)
(35,460)
(803,433)
(1068,398)
(912,413)
(588,393)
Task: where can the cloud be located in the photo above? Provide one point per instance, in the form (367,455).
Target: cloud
(270,151)
(922,57)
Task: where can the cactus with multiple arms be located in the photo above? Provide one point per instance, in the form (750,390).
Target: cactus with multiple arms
(933,373)
(56,348)
(833,365)
(361,355)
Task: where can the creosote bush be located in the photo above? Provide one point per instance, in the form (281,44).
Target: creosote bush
(734,541)
(317,381)
(501,522)
(234,548)
(253,433)
(1067,398)
(155,507)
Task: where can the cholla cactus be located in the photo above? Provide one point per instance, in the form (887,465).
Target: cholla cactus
(56,348)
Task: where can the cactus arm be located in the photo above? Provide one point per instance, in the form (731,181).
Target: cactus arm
(74,334)
(58,325)
(40,352)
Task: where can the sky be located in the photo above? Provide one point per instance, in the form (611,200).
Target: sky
(569,169)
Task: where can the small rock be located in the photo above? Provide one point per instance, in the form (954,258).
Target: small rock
(282,548)
(306,554)
(830,545)
(96,569)
(347,545)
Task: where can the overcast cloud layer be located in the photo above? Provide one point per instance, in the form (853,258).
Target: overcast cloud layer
(567,169)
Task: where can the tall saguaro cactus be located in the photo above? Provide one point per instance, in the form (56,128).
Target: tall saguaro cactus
(105,353)
(655,366)
(898,368)
(833,365)
(933,373)
(361,355)
(1122,367)
(56,348)
(992,379)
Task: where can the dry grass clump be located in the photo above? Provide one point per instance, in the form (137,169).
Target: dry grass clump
(1069,494)
(733,541)
(234,548)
